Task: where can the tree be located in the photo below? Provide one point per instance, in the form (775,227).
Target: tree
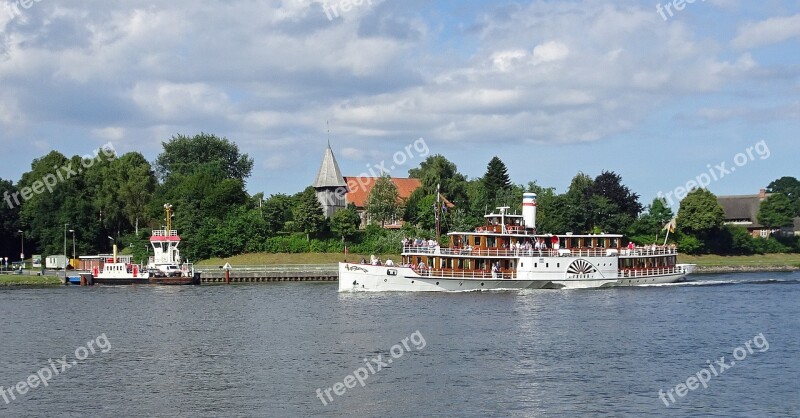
(789,186)
(700,213)
(776,211)
(383,202)
(345,223)
(609,185)
(9,219)
(277,211)
(308,215)
(184,155)
(650,224)
(496,179)
(577,205)
(435,171)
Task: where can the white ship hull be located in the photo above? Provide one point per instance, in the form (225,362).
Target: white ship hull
(369,278)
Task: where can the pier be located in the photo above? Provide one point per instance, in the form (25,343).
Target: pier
(273,273)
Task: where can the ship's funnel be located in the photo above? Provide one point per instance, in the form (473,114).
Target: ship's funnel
(529,210)
(115,253)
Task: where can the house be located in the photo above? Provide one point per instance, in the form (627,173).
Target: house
(793,230)
(335,191)
(743,211)
(359,189)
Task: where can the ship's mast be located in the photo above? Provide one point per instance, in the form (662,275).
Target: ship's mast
(168,209)
(438,208)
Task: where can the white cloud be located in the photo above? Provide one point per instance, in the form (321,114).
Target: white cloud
(111,133)
(549,52)
(767,32)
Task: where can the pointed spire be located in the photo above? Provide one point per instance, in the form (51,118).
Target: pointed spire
(329,174)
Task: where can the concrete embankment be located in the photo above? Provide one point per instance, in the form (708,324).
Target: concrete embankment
(265,274)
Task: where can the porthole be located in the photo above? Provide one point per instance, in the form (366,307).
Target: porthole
(437,283)
(481,284)
(385,280)
(412,282)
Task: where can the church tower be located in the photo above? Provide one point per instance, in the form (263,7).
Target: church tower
(330,185)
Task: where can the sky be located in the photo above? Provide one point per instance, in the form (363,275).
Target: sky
(663,94)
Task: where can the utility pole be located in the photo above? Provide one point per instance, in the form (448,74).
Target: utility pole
(65,252)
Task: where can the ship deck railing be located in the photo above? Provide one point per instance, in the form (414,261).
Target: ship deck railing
(511,253)
(464,274)
(165,233)
(648,251)
(649,272)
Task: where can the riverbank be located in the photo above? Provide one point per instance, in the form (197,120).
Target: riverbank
(10,280)
(741,264)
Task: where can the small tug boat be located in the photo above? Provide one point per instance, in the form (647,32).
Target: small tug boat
(163,268)
(508,254)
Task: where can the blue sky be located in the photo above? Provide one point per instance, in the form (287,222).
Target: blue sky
(551,87)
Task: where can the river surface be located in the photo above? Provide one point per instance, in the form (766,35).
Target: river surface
(264,350)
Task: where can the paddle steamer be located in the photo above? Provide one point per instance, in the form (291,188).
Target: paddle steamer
(508,254)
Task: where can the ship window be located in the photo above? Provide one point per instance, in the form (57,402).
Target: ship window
(547,265)
(522,264)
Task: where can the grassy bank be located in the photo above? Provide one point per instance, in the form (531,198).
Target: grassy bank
(766,260)
(272,259)
(25,280)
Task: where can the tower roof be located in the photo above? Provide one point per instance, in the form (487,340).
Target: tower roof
(329,174)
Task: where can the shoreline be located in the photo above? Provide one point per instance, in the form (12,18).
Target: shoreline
(744,269)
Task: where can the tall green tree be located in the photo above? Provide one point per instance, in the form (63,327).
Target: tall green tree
(496,180)
(577,204)
(346,222)
(277,211)
(789,186)
(437,170)
(308,215)
(609,185)
(700,214)
(776,211)
(383,202)
(9,221)
(184,155)
(651,223)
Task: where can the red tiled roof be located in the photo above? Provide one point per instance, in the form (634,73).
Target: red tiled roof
(358,189)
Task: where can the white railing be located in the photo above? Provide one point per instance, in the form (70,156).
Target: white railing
(637,273)
(464,274)
(165,233)
(648,251)
(480,252)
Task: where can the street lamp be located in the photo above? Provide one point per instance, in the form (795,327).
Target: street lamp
(22,247)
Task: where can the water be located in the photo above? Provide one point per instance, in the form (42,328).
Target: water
(263,350)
